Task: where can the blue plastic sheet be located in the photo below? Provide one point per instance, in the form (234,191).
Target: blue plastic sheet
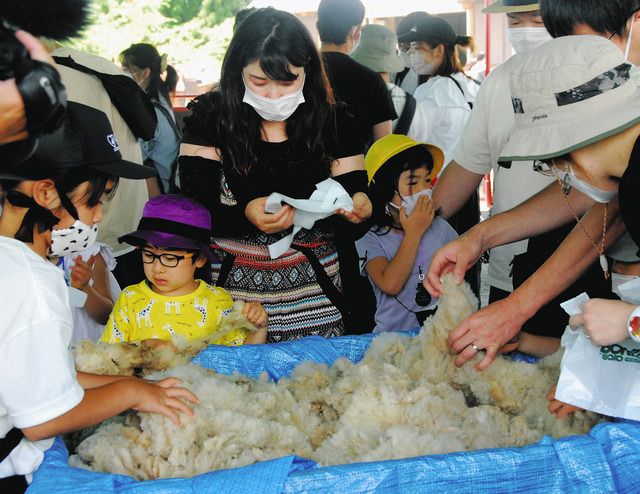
(605,460)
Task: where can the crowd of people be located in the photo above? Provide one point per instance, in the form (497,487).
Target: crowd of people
(389,121)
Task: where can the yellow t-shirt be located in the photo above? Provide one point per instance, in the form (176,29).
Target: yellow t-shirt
(140,314)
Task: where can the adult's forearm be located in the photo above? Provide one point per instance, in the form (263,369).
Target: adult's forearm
(572,258)
(454,188)
(541,213)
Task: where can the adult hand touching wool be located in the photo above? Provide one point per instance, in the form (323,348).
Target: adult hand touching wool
(456,257)
(488,330)
(267,222)
(604,321)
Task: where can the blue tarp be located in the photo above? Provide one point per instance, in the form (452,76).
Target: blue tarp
(605,460)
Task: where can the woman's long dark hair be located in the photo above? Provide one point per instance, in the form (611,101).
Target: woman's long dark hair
(385,184)
(145,56)
(277,40)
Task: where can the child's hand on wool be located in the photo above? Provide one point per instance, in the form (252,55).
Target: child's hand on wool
(82,272)
(559,408)
(255,313)
(420,219)
(158,344)
(163,397)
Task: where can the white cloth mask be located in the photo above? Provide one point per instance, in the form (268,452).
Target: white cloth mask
(527,39)
(274,110)
(598,195)
(620,279)
(628,48)
(76,238)
(409,202)
(418,64)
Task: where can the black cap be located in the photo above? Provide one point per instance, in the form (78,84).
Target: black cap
(86,139)
(408,21)
(432,30)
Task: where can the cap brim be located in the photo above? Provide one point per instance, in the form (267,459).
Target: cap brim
(550,141)
(126,169)
(166,241)
(408,37)
(499,8)
(17,152)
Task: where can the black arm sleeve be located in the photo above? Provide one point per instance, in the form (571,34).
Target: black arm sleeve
(355,181)
(200,179)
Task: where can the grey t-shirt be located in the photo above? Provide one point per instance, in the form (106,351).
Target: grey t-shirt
(398,313)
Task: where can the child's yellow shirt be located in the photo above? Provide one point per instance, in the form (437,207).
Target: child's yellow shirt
(140,314)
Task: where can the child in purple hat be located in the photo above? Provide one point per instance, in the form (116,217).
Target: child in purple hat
(173,236)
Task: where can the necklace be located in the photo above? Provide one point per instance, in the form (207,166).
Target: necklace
(566,188)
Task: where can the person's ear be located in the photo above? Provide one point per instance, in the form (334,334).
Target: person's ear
(45,194)
(439,52)
(146,74)
(201,261)
(356,31)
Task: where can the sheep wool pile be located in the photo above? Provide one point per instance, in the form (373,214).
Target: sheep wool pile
(405,398)
(135,359)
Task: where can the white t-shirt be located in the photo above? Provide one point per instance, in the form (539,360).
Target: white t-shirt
(447,109)
(484,136)
(38,380)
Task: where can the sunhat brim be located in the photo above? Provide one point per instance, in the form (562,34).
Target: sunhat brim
(539,142)
(166,241)
(377,63)
(500,8)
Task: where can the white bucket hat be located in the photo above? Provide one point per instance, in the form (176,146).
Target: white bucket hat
(511,6)
(569,93)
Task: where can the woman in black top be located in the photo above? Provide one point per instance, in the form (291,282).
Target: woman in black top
(271,126)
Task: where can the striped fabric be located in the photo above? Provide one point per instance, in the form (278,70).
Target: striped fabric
(287,287)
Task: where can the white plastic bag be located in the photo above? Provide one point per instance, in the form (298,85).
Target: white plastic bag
(603,379)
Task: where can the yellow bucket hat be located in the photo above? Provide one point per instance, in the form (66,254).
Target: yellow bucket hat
(386,148)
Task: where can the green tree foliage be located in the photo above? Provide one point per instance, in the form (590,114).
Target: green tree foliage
(180,11)
(190,32)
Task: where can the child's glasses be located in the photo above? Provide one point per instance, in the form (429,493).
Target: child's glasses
(167,260)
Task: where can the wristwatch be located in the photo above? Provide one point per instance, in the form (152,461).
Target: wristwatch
(633,324)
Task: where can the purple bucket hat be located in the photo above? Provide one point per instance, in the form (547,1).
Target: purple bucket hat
(173,221)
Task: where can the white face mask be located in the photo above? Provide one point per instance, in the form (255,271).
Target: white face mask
(406,58)
(620,279)
(274,110)
(72,240)
(628,48)
(409,202)
(526,39)
(598,195)
(416,59)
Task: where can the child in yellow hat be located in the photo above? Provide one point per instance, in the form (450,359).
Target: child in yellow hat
(396,252)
